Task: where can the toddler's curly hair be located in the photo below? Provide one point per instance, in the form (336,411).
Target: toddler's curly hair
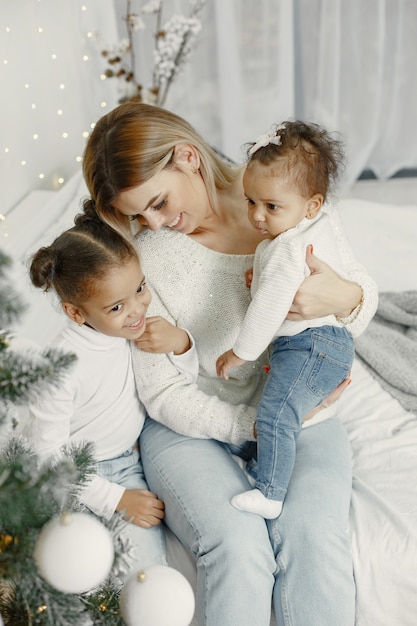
(310,156)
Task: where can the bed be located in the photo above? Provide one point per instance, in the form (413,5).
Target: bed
(383,435)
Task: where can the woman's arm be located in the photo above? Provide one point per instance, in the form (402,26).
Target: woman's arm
(353,299)
(172,400)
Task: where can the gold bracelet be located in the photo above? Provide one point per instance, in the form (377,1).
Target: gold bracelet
(354,313)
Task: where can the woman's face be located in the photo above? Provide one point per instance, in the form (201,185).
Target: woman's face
(174,198)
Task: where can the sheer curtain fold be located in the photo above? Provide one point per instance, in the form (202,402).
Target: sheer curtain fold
(230,80)
(347,64)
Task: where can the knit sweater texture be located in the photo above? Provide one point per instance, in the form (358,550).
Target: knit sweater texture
(278,271)
(204,291)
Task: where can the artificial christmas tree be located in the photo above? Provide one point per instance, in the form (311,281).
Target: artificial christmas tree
(32,495)
(59,565)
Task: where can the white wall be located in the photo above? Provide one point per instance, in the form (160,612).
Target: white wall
(51,90)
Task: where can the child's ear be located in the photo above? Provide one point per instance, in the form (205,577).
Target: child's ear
(187,156)
(73,313)
(314,205)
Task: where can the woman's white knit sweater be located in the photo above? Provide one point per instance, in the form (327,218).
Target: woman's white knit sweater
(205,292)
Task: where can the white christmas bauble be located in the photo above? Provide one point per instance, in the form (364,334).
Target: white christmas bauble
(157,596)
(74,552)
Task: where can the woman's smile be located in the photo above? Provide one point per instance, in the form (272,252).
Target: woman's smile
(176,222)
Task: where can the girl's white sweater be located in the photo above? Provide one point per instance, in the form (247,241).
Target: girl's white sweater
(97,401)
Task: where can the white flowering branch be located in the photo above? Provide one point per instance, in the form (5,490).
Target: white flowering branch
(173,45)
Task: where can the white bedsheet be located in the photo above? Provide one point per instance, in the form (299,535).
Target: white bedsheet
(383,516)
(383,519)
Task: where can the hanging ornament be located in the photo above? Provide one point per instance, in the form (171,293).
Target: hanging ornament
(74,552)
(157,596)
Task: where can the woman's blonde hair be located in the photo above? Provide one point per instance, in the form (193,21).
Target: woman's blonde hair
(131,144)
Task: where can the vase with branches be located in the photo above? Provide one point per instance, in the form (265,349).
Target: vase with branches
(171,44)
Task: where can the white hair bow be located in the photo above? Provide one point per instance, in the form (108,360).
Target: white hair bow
(273,136)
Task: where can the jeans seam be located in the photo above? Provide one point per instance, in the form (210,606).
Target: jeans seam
(174,494)
(283,594)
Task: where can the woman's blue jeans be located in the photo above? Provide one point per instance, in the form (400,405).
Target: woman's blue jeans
(303,563)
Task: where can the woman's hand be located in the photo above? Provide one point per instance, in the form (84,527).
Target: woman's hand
(227,361)
(331,399)
(141,507)
(324,292)
(161,337)
(249,277)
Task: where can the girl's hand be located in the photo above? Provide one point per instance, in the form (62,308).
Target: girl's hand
(161,336)
(226,362)
(324,292)
(141,507)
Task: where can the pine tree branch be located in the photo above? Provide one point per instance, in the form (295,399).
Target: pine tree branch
(24,376)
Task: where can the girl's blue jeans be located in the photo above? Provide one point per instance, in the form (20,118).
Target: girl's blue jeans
(304,370)
(146,546)
(301,561)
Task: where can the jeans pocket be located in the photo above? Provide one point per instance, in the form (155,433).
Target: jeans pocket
(332,364)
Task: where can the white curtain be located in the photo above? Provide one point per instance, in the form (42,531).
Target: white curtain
(350,65)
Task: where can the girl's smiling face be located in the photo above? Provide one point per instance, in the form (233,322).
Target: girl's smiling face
(118,305)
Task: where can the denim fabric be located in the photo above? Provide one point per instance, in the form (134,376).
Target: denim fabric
(304,370)
(146,545)
(308,569)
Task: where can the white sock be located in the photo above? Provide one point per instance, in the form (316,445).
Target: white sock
(254,501)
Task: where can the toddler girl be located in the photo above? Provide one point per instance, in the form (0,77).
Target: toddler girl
(286,183)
